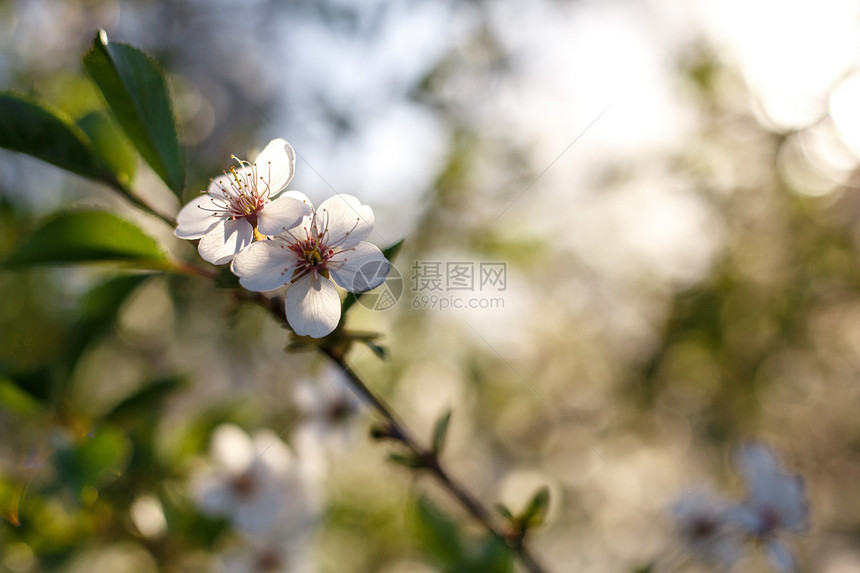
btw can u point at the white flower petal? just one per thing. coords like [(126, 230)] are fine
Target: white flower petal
[(313, 306), (273, 452), (264, 265), (214, 496), (757, 464), (224, 240), (299, 196), (232, 448), (770, 490), (701, 519), (281, 214), (257, 511), (276, 165), (345, 219), (780, 556), (788, 498), (197, 218), (359, 269), (744, 518)]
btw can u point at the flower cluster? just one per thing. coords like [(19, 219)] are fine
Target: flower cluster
[(262, 490), (716, 530), (273, 238)]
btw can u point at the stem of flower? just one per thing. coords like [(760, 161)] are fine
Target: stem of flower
[(193, 270), (432, 463)]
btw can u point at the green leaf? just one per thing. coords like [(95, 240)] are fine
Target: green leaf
[(383, 432), (438, 534), (504, 511), (146, 400), (536, 510), (443, 540), (86, 237), (391, 251), (440, 432), (410, 461), (98, 312), (110, 144), (14, 399), (38, 384), (352, 298), (492, 556), (31, 127), (188, 524), (380, 351), (93, 462), (192, 437), (136, 91)]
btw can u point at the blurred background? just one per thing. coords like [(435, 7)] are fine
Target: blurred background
[(670, 188)]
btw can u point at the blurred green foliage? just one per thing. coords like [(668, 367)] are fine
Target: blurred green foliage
[(112, 382)]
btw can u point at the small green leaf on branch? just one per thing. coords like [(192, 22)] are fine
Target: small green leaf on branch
[(533, 515), (391, 251), (380, 351), (440, 432), (504, 511), (411, 461), (385, 432), (537, 509)]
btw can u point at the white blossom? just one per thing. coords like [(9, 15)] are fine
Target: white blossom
[(701, 520), (328, 407), (240, 205), (274, 552), (255, 483), (775, 504), (327, 244)]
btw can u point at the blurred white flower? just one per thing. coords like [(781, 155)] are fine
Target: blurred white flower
[(328, 244), (327, 430), (273, 553), (255, 483), (238, 206), (701, 520), (329, 407), (775, 504)]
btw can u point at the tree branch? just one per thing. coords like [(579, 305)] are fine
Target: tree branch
[(432, 463)]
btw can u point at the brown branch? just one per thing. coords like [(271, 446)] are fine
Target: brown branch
[(431, 462), (396, 430)]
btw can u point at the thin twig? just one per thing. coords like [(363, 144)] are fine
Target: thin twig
[(192, 270), (149, 209), (397, 430), (432, 462)]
